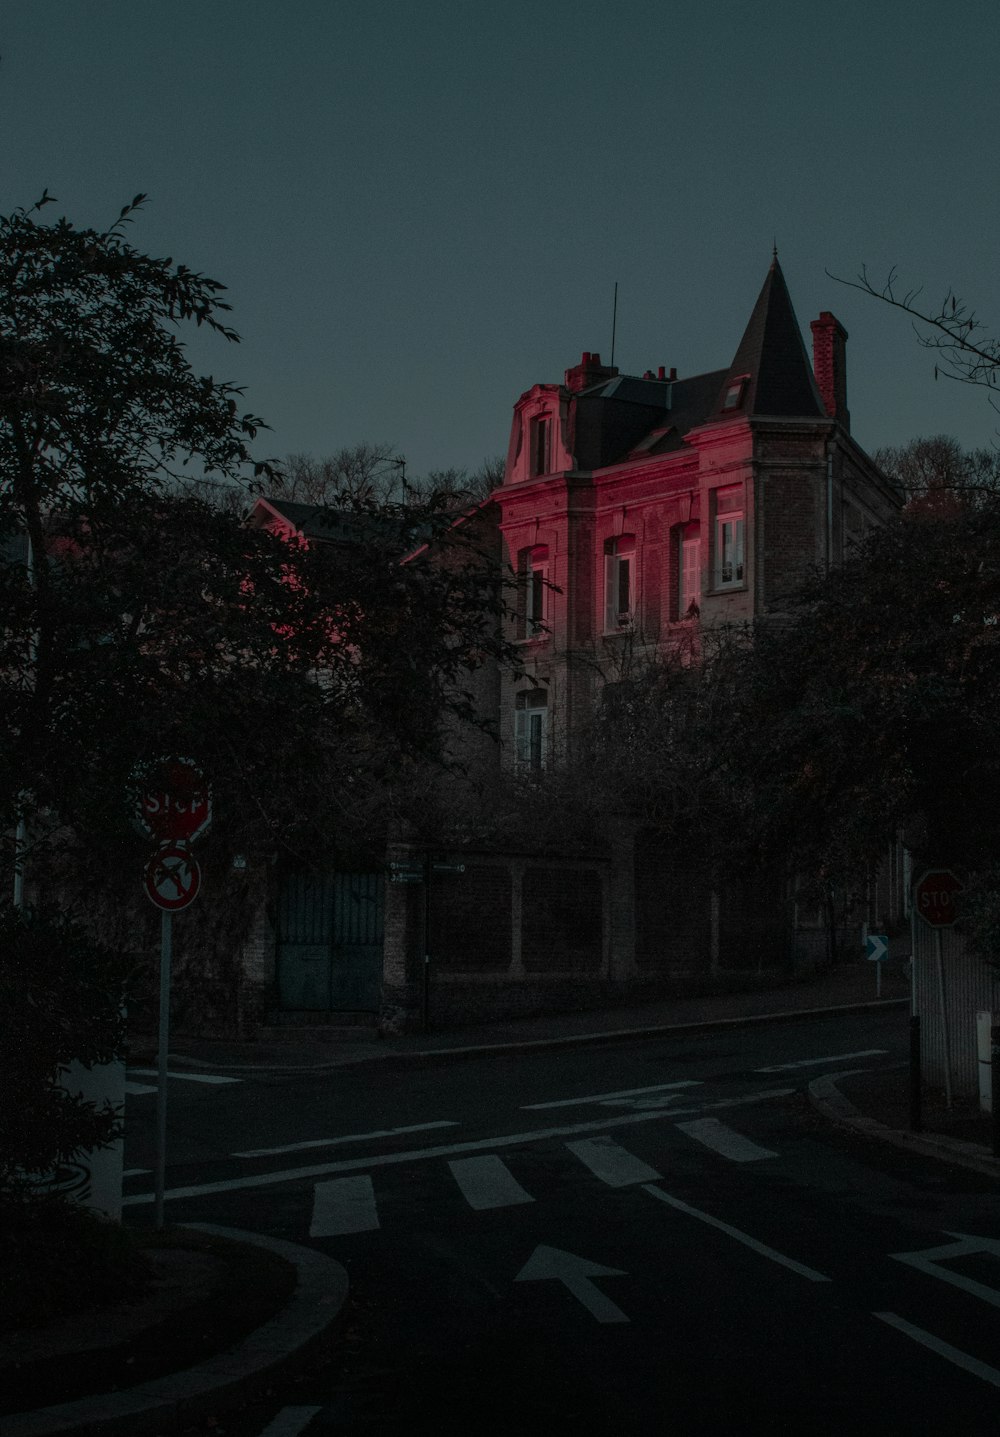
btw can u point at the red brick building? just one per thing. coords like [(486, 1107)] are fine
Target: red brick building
[(638, 508)]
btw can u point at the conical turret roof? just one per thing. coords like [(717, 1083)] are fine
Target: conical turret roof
[(771, 367)]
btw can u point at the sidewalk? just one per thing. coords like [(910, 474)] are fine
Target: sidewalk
[(873, 1103), (849, 986)]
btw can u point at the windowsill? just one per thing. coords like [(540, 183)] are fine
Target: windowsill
[(534, 638), (740, 588)]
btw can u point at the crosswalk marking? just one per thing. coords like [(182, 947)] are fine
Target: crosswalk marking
[(136, 1088), (612, 1164), (487, 1182), (185, 1077), (342, 1206), (720, 1139), (300, 1173)]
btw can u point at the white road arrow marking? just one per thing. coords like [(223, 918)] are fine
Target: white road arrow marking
[(966, 1246), (576, 1273)]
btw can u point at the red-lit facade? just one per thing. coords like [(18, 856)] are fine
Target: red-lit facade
[(639, 509)]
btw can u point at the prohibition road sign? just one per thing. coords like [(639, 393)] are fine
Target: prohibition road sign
[(172, 878)]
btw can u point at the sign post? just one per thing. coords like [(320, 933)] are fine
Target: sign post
[(174, 807), (877, 952), (934, 899)]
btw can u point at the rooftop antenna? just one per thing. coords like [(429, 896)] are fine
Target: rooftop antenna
[(614, 321)]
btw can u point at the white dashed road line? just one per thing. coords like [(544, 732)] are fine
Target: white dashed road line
[(605, 1097), (349, 1138), (818, 1062), (505, 1140), (185, 1077)]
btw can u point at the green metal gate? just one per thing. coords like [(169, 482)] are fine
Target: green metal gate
[(330, 942)]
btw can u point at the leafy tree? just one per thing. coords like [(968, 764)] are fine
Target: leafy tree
[(60, 1000), (877, 701), (135, 618), (937, 471), (374, 473)]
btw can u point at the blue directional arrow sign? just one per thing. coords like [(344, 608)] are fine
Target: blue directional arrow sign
[(877, 947)]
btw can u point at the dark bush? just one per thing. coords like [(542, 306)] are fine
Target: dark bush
[(61, 1000)]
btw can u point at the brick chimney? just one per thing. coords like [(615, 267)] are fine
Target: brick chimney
[(589, 371), (830, 365)]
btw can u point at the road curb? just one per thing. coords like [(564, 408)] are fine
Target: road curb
[(538, 1045), (314, 1307), (827, 1099)]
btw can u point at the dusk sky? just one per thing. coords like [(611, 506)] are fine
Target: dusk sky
[(422, 209)]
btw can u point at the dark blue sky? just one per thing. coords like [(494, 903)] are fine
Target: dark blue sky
[(420, 209)]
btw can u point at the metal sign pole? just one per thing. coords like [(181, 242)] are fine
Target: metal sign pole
[(944, 1017), (425, 991), (916, 1117), (160, 1162)]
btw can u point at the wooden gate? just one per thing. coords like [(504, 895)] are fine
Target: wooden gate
[(330, 942)]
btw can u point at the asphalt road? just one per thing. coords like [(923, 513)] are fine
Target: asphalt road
[(653, 1237)]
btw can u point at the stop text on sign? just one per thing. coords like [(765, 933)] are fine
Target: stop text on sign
[(934, 896), (173, 801)]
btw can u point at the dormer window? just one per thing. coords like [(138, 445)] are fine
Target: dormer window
[(541, 444), (735, 390)]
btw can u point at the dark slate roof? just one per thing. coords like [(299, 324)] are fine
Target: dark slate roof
[(771, 353)]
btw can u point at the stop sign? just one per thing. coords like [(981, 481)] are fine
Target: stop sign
[(935, 896), (173, 800)]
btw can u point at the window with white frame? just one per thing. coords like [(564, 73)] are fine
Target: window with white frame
[(689, 571), (533, 567), (729, 537), (531, 710), (619, 583), (541, 444)]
